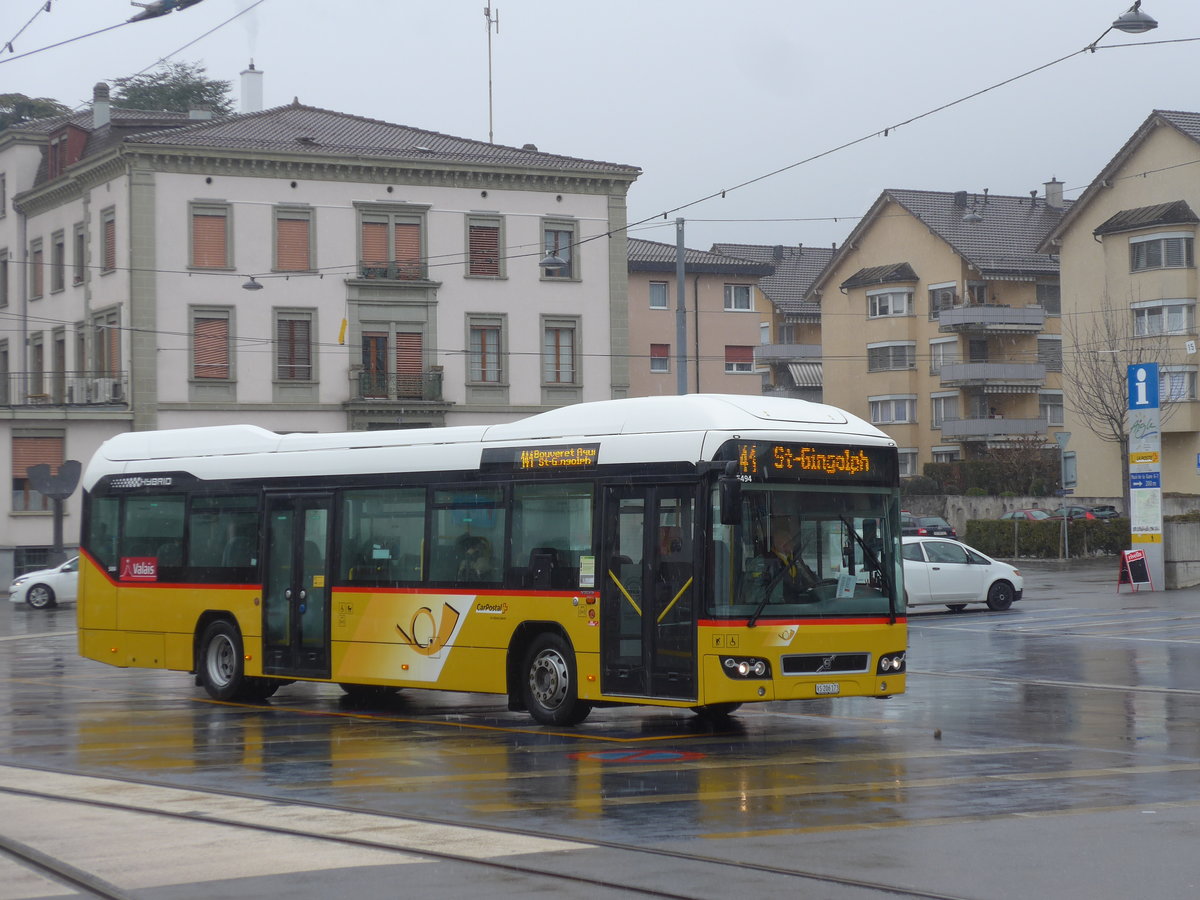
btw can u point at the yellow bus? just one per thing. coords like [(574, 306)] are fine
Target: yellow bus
[(696, 552)]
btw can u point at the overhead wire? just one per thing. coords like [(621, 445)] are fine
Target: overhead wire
[(43, 6)]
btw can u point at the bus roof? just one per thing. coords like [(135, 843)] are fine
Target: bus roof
[(688, 427)]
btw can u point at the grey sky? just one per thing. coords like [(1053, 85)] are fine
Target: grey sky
[(702, 95)]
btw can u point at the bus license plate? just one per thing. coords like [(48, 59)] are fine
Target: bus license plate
[(828, 687)]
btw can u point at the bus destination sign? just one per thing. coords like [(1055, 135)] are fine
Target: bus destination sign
[(556, 457), (775, 460)]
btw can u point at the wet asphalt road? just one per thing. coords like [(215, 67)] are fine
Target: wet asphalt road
[(1052, 750)]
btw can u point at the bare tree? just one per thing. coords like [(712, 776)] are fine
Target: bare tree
[(1103, 345)]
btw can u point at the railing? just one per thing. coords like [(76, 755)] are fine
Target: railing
[(383, 386), (782, 353), (394, 271), (1024, 374), (64, 389), (994, 427), (1001, 318)]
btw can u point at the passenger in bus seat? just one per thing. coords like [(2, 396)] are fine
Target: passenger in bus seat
[(474, 558)]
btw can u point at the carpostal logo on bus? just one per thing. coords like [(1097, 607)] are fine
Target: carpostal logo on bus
[(137, 481), (139, 568), (491, 609)]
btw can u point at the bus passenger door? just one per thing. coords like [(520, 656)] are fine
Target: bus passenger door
[(296, 585), (649, 595)]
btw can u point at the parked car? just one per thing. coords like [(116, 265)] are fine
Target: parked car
[(1030, 515), (47, 587), (908, 522), (934, 526), (1106, 512), (1072, 512), (940, 571)]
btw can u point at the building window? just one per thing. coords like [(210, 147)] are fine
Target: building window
[(79, 243), (1049, 297), (942, 352), (485, 352), (293, 239), (942, 296), (1176, 383), (559, 240), (1154, 317), (889, 303), (977, 293), (484, 243), (908, 463), (1049, 353), (106, 343), (738, 298), (1161, 251), (108, 240), (660, 297), (887, 357), (1050, 407), (943, 407), (391, 243), (945, 454), (210, 239), (660, 357), (893, 410), (738, 358), (293, 346), (27, 451), (558, 351), (3, 278), (58, 261), (36, 273), (212, 354)]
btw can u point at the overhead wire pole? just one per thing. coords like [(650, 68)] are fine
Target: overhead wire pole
[(681, 313), (487, 13)]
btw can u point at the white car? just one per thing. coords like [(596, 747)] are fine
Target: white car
[(47, 587), (942, 571)]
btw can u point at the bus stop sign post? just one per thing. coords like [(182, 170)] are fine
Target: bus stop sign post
[(1145, 468), (58, 487)]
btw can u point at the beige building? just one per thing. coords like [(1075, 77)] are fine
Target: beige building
[(725, 311), (940, 323), (1129, 283)]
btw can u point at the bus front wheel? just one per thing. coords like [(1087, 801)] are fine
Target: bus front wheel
[(550, 686), (221, 661)]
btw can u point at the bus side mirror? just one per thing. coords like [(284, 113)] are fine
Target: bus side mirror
[(729, 491)]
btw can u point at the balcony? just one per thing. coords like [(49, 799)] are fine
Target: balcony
[(1016, 378), (393, 271), (995, 427), (768, 354), (1010, 319), (375, 386), (59, 389)]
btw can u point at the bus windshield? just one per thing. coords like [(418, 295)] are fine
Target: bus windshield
[(807, 551)]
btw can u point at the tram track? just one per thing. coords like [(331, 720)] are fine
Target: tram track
[(782, 877)]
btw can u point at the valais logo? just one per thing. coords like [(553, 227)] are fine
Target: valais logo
[(139, 568)]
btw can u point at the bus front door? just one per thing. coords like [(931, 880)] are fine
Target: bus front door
[(648, 597), (296, 585)]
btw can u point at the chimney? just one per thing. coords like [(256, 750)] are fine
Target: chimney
[(960, 199), (101, 108), (777, 253), (200, 111), (252, 89), (1054, 197)]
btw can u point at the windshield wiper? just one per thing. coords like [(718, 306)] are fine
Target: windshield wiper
[(873, 560), (776, 578)]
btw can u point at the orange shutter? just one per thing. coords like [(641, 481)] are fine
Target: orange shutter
[(37, 274), (408, 251), (410, 364), (34, 451), (295, 349), (291, 251), (110, 244), (211, 343), (374, 243), (114, 350), (208, 242), (484, 243), (736, 354)]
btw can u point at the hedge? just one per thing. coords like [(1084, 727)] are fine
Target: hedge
[(1015, 538)]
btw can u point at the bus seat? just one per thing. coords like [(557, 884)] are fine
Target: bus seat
[(542, 563)]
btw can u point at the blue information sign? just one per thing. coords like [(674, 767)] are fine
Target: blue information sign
[(1143, 386), (1145, 480)]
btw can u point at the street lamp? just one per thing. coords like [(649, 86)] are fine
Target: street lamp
[(1132, 21)]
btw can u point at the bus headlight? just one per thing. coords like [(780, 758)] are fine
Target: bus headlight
[(890, 662), (745, 667)]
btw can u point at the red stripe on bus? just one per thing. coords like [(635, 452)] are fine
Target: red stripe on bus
[(768, 623)]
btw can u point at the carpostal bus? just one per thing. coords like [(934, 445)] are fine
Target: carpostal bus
[(621, 551)]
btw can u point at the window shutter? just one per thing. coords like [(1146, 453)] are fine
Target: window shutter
[(408, 250), (484, 250), (410, 364), (374, 249), (110, 244), (295, 349), (738, 354), (35, 451), (291, 251), (37, 273), (208, 241), (114, 350), (211, 348)]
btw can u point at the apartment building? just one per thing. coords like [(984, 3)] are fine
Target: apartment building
[(724, 312), (298, 268), (1129, 281), (940, 322)]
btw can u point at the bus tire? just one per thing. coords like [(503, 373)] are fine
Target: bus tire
[(549, 684), (221, 663)]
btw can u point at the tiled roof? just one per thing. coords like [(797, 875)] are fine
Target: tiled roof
[(321, 132), (1003, 242), (654, 256), (1176, 213), (795, 270), (889, 274), (126, 118)]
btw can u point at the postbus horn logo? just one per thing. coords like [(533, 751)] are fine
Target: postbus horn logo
[(425, 634)]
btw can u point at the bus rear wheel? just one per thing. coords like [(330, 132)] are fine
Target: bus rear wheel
[(222, 669), (550, 685)]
